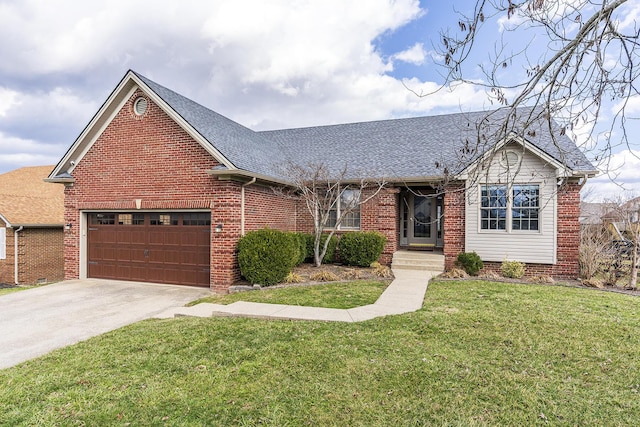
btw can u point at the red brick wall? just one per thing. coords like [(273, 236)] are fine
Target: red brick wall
[(453, 225), (149, 158), (6, 265), (568, 240), (264, 208), (40, 256)]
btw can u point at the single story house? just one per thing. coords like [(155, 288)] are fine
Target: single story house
[(31, 227), (159, 188)]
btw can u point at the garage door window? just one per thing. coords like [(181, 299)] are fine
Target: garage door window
[(196, 219), (103, 218), (163, 219), (131, 219)]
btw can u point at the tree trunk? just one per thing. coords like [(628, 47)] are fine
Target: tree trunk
[(633, 275)]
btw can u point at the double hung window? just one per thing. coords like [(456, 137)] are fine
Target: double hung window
[(510, 207), (347, 206)]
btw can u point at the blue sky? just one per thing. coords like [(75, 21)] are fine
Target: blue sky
[(276, 64)]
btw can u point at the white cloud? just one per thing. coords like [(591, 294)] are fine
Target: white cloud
[(414, 55), (621, 174), (8, 98)]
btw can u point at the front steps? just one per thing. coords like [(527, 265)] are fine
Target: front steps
[(418, 260)]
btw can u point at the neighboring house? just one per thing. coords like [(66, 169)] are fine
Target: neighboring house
[(31, 227), (159, 188), (623, 219), (593, 213)]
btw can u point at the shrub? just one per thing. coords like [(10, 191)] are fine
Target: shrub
[(293, 278), (512, 269), (381, 271), (331, 249), (324, 276), (454, 273), (267, 256), (301, 240), (361, 248), (470, 262)]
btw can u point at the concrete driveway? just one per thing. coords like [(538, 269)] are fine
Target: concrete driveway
[(36, 321)]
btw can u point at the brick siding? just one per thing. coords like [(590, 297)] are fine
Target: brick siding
[(152, 159), (40, 256)]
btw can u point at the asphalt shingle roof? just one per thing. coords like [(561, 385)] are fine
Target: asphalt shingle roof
[(397, 148), (25, 199)]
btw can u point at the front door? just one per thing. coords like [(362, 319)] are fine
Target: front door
[(420, 220)]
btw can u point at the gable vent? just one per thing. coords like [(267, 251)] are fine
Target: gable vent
[(510, 159), (140, 106)]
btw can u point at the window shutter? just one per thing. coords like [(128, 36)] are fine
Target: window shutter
[(3, 243)]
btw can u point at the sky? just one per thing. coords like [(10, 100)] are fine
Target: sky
[(265, 64)]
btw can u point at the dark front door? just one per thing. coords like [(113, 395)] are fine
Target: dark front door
[(420, 225), (172, 247)]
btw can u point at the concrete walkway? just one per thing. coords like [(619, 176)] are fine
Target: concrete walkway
[(404, 295)]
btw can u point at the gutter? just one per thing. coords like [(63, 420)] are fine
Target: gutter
[(246, 184), (15, 254)]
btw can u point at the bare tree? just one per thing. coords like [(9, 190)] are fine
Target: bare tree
[(331, 198), (624, 223), (578, 59)]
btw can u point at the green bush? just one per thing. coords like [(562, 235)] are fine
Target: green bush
[(331, 249), (470, 262), (301, 240), (361, 248), (267, 256), (512, 269)]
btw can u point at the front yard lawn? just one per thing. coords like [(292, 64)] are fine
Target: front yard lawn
[(331, 295), (478, 353)]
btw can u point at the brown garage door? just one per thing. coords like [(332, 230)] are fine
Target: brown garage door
[(150, 247)]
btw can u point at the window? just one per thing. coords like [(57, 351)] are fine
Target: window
[(512, 209), (196, 219), (526, 203), (163, 219), (493, 207), (349, 201), (103, 218)]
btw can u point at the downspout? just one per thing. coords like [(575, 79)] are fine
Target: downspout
[(246, 184), (15, 254)]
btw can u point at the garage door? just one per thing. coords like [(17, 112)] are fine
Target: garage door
[(172, 247)]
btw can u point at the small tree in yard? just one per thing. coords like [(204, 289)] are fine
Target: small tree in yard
[(595, 247), (625, 223), (330, 198)]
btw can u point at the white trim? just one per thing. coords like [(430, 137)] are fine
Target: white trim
[(105, 115), (561, 170), (3, 243), (509, 209), (5, 220)]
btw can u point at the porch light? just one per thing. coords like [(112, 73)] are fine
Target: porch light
[(68, 226), (218, 228)]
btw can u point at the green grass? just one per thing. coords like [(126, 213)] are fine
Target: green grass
[(4, 291), (332, 295), (478, 353)]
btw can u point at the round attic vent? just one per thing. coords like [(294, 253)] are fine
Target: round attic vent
[(140, 106), (510, 159)]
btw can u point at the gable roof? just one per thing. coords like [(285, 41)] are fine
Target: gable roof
[(399, 149), (25, 199)]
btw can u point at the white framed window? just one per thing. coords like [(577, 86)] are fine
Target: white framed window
[(348, 202), (3, 243), (510, 208)]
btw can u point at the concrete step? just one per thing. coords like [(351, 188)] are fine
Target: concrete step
[(415, 260)]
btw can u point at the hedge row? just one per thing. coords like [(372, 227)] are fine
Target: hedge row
[(268, 256)]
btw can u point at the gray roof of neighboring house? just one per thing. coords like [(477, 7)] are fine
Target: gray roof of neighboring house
[(397, 148)]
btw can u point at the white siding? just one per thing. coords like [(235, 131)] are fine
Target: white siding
[(3, 243), (525, 246)]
